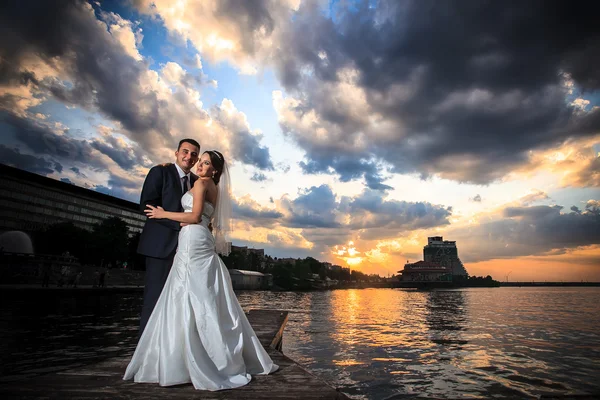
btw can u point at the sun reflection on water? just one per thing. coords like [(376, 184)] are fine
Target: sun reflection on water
[(371, 343)]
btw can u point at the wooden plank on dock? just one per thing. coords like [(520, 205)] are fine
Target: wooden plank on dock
[(104, 379)]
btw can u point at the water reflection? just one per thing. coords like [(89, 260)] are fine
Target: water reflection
[(372, 343), (521, 340), (46, 331), (446, 317)]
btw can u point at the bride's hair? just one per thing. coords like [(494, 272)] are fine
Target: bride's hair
[(217, 160)]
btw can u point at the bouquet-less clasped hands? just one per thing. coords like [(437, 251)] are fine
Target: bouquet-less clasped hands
[(159, 212)]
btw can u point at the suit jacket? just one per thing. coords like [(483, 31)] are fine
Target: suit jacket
[(162, 187)]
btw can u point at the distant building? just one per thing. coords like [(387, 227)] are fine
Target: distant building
[(259, 252), (30, 202), (246, 250), (445, 253), (440, 263), (286, 260), (424, 271), (241, 249), (250, 280), (336, 268)]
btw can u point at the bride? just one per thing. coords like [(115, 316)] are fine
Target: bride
[(198, 332)]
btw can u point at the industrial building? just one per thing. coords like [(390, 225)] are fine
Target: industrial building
[(250, 280), (29, 202)]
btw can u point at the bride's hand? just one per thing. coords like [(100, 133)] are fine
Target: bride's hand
[(154, 212)]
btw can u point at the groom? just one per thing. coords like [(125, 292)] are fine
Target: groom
[(164, 186)]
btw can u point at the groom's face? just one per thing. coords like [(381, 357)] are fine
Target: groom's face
[(187, 156)]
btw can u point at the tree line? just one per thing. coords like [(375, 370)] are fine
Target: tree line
[(108, 243), (300, 274)]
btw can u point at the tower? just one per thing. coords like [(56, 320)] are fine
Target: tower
[(445, 253)]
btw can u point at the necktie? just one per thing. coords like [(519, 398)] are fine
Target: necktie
[(185, 184)]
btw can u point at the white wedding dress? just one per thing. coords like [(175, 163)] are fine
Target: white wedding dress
[(198, 331)]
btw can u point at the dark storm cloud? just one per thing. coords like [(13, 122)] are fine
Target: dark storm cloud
[(253, 212), (323, 217), (314, 207), (15, 158), (471, 86), (258, 177), (248, 16), (319, 212), (348, 168), (534, 230), (246, 148), (548, 225), (126, 156), (77, 172), (101, 73), (41, 140), (66, 180), (379, 218), (48, 145)]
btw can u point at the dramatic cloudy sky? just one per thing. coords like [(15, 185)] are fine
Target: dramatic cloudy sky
[(355, 129)]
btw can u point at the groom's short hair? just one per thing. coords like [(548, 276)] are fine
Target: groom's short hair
[(190, 141)]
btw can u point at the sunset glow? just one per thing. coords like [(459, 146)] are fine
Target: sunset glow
[(348, 139)]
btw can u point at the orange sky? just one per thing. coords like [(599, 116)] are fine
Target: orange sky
[(349, 152)]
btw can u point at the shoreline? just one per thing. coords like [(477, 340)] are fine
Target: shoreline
[(133, 288)]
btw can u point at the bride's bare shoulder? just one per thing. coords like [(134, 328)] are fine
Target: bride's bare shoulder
[(202, 183)]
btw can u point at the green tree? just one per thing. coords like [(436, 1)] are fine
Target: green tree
[(236, 260), (283, 276), (322, 272), (135, 260), (358, 276), (302, 269), (314, 265), (61, 237), (110, 241), (253, 261)]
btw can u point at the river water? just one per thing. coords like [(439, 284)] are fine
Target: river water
[(371, 343)]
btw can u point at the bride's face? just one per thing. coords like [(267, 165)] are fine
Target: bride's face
[(204, 168)]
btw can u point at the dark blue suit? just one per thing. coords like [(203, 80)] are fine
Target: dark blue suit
[(158, 240)]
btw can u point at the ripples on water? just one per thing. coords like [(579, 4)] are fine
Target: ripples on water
[(46, 331), (372, 343)]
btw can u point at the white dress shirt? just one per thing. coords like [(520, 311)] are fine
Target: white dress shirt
[(181, 175)]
